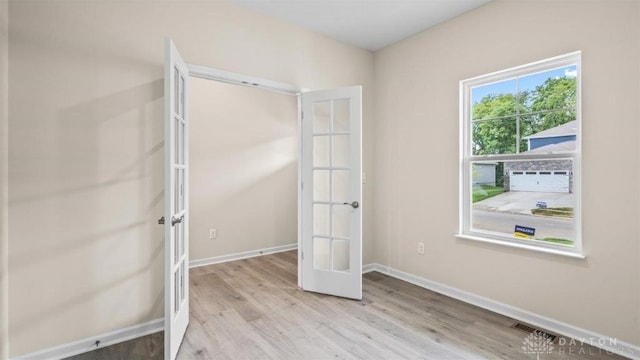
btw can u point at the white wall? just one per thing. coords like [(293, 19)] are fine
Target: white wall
[(4, 196), (244, 168), (86, 145), (417, 131)]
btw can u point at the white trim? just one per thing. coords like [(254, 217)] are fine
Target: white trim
[(367, 268), (300, 189), (555, 326), (229, 77), (241, 255), (88, 344), (530, 68), (515, 244), (466, 158)]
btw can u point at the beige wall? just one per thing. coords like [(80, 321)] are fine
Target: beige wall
[(416, 189), (244, 168), (4, 143), (86, 144)]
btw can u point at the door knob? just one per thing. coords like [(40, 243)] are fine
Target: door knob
[(354, 204), (175, 220)]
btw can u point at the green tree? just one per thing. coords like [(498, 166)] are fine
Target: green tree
[(495, 117), (494, 123), (556, 98)]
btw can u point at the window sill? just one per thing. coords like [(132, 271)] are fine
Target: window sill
[(522, 246)]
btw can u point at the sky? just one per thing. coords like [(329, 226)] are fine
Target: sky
[(528, 82)]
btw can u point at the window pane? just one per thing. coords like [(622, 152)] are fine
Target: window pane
[(490, 137), (321, 154), (321, 219), (530, 196), (341, 221), (341, 110), (177, 239), (176, 294), (321, 117), (321, 185), (341, 150), (321, 253), (538, 138), (494, 100), (551, 90), (341, 181), (340, 255)]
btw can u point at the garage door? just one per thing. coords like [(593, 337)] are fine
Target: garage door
[(539, 181)]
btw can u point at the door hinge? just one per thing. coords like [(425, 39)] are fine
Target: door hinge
[(302, 185), (302, 253)]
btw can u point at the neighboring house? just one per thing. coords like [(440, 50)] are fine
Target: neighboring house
[(484, 174), (563, 137), (544, 176)]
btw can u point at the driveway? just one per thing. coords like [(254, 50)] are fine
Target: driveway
[(521, 202)]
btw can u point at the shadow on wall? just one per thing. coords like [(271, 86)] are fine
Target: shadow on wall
[(78, 135), (55, 309), (94, 186)]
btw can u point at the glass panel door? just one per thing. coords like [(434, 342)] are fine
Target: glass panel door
[(176, 209), (331, 221)]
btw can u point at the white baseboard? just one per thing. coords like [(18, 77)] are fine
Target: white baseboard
[(88, 344), (558, 327), (369, 268), (85, 345), (241, 255)]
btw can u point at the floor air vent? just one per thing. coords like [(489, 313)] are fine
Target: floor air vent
[(529, 329)]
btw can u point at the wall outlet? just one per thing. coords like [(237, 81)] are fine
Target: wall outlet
[(213, 234), (421, 248)]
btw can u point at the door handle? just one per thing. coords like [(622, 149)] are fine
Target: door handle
[(354, 204), (175, 220)]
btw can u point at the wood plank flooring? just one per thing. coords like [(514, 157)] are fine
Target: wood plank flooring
[(253, 309)]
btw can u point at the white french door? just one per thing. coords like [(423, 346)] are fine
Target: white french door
[(331, 193), (176, 201)]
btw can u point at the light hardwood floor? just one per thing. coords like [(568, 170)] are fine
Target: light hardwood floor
[(253, 309)]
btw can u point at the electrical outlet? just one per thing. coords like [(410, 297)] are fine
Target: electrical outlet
[(213, 234), (421, 248)]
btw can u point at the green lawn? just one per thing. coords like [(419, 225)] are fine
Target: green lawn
[(481, 192), (555, 211), (558, 241)]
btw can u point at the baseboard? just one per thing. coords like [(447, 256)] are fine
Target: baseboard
[(88, 344), (241, 255), (369, 268), (610, 344)]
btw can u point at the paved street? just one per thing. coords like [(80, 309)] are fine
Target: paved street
[(505, 223), (521, 202), (503, 212)]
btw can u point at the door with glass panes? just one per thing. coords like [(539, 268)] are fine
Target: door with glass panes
[(332, 192), (176, 201)]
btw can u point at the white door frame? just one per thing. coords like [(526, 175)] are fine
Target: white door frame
[(208, 73), (204, 72)]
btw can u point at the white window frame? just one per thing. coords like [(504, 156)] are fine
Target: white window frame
[(465, 230)]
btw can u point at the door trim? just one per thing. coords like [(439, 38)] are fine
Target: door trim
[(209, 73), (229, 77)]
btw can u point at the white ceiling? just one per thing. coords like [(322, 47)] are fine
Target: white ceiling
[(369, 24)]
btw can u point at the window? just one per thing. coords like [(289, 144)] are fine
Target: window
[(520, 156)]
